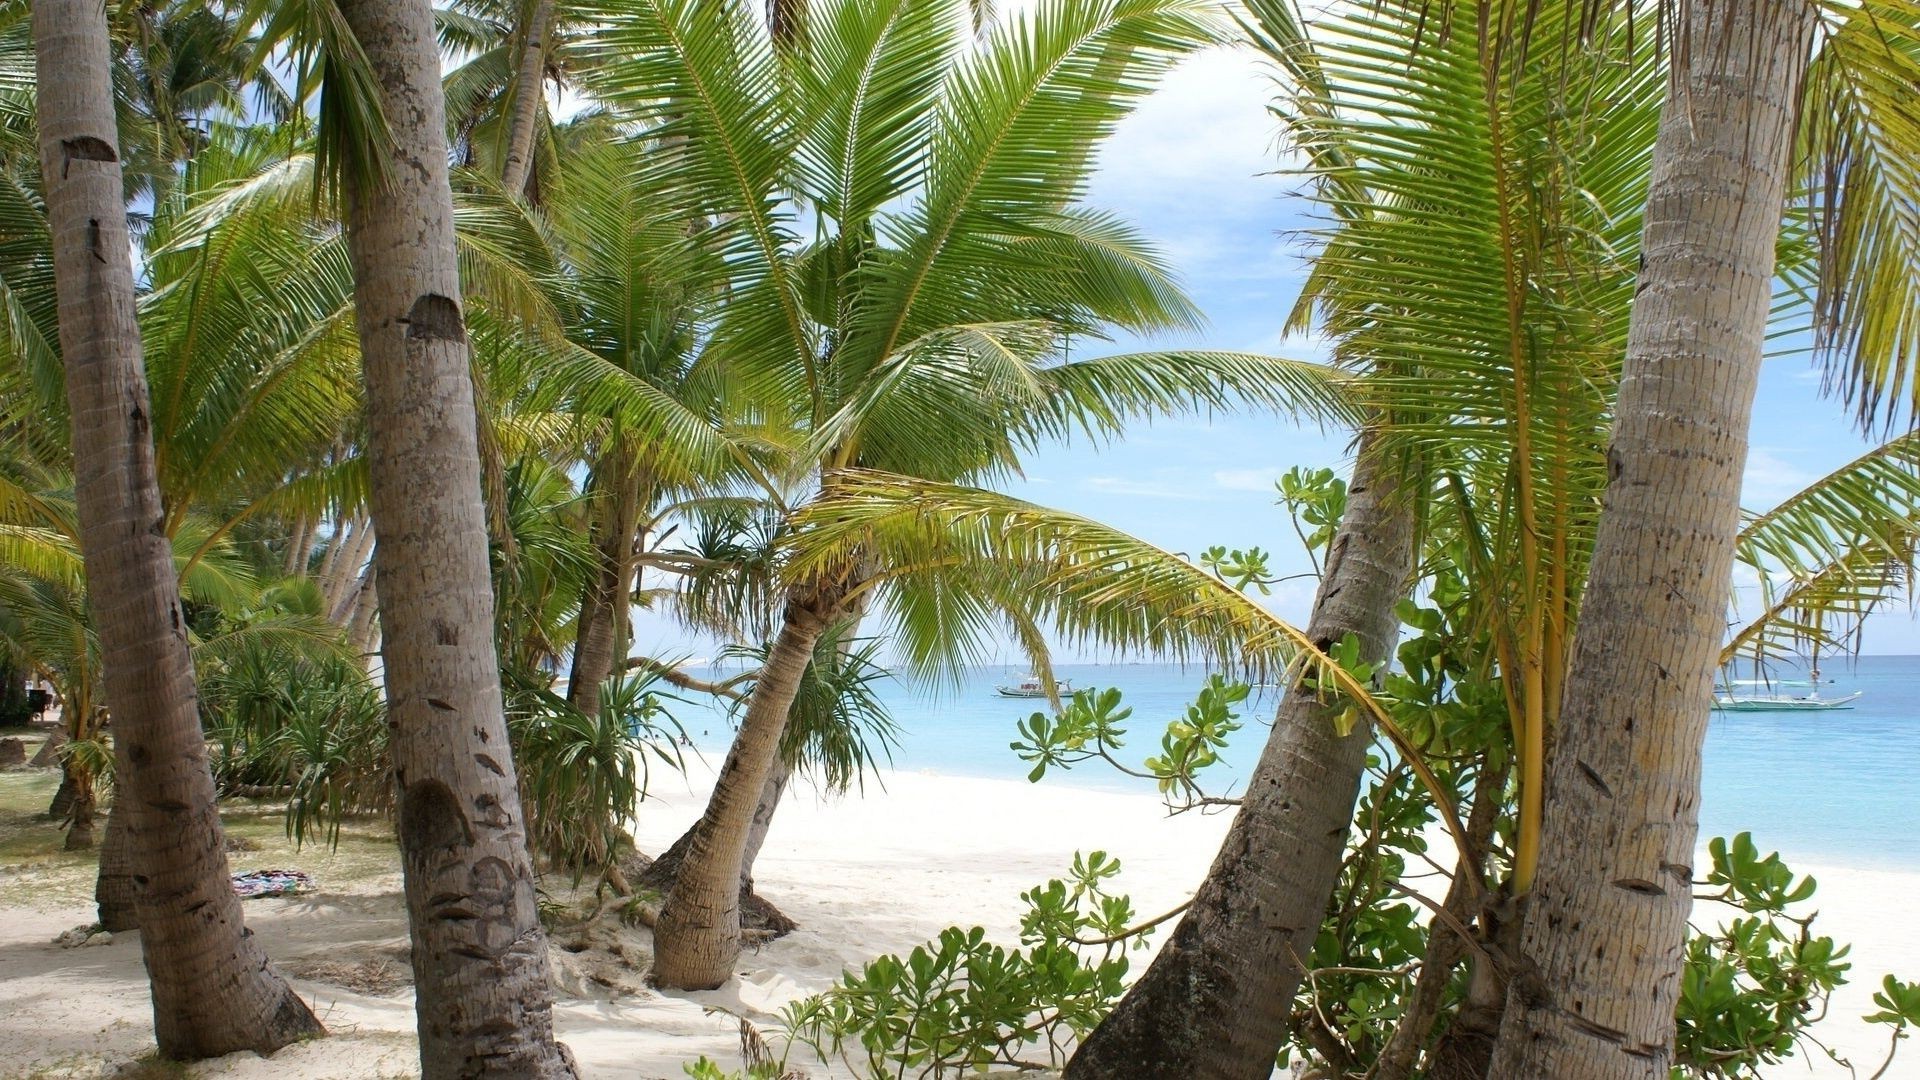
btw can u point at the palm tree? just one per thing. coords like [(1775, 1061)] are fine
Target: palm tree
[(213, 990), (479, 952), (1219, 994), (1478, 301), (923, 341), (1601, 936), (529, 94)]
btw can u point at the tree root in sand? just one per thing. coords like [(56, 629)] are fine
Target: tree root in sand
[(760, 921)]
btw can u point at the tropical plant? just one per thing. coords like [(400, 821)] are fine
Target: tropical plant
[(1772, 99), (190, 919), (962, 1004), (584, 776), (920, 331), (479, 952)]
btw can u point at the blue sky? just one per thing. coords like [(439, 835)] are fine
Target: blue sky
[(1193, 169)]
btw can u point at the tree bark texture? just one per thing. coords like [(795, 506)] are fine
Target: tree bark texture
[(113, 888), (1214, 1003), (697, 937), (213, 990), (1601, 941), (601, 640), (363, 628), (484, 1005), (528, 89)]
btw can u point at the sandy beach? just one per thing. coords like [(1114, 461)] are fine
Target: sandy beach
[(862, 875)]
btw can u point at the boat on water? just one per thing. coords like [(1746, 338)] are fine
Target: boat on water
[(1031, 687), (1781, 703)]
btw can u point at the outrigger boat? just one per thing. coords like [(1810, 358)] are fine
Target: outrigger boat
[(1032, 687), (1781, 703)]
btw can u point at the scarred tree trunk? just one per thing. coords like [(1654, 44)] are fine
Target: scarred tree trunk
[(1214, 1003), (484, 1005), (213, 990), (697, 937), (529, 88), (113, 889), (1601, 937)]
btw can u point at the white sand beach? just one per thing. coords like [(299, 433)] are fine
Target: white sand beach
[(862, 875)]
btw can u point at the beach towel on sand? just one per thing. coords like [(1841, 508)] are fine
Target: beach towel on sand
[(258, 883)]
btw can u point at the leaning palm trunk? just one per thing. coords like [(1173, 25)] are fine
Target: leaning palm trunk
[(479, 954), (697, 937), (1601, 939), (1214, 1003), (213, 991), (601, 641), (529, 88)]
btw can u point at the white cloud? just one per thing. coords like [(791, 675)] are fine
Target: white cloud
[(1247, 479), (1770, 478), (1146, 489)]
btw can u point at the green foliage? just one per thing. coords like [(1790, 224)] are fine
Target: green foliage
[(961, 1003), (1752, 989), (582, 776), (1315, 498), (1088, 727), (313, 725), (838, 728)]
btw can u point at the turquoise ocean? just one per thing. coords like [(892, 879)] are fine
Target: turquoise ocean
[(1838, 788)]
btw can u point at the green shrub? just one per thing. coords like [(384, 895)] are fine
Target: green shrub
[(963, 1003)]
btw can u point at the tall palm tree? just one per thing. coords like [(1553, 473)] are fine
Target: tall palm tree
[(1603, 927), (214, 992), (1217, 999), (924, 341), (479, 952), (1455, 292), (529, 95)]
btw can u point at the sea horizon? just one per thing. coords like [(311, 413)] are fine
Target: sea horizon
[(1824, 789)]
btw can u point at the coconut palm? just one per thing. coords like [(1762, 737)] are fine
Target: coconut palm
[(214, 992), (479, 953), (920, 331), (1748, 123)]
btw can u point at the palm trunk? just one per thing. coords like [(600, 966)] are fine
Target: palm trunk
[(364, 627), (484, 1005), (1602, 933), (601, 640), (529, 88), (770, 794), (213, 990), (697, 937), (1215, 1001), (298, 544), (113, 889), (341, 574)]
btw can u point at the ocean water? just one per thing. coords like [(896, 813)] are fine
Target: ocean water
[(1830, 788)]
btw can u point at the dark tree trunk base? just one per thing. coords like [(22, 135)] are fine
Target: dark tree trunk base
[(757, 916)]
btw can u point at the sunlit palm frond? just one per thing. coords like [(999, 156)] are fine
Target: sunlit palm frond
[(1013, 146), (1869, 504), (1859, 156)]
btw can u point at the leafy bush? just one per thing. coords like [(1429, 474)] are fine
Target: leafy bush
[(312, 725), (962, 1003), (582, 776), (1752, 989)]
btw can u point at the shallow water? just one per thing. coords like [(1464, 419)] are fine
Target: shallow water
[(1833, 788)]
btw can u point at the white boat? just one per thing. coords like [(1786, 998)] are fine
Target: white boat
[(1032, 687), (1781, 703)]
